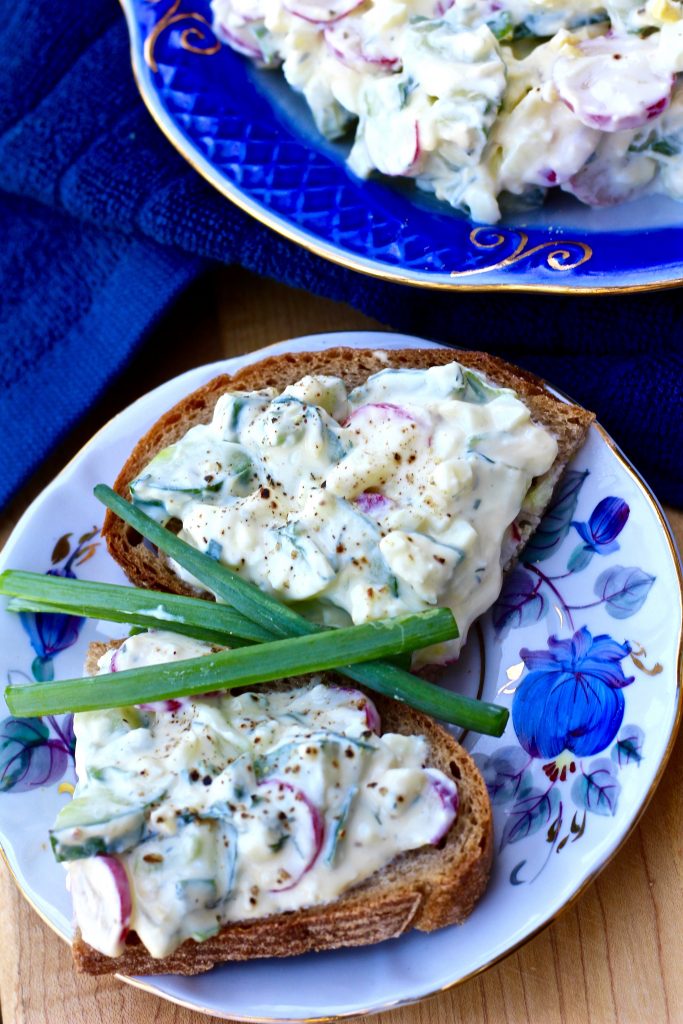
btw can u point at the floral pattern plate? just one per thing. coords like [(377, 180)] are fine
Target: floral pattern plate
[(584, 646)]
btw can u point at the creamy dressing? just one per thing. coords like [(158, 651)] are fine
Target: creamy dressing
[(227, 808), (393, 498), (478, 98)]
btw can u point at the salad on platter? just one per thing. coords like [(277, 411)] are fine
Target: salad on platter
[(485, 102)]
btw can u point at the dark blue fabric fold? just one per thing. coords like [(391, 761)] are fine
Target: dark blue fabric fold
[(103, 224)]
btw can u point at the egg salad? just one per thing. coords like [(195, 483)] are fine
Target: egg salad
[(481, 99), (392, 498), (193, 813)]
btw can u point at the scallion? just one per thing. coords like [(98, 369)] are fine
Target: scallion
[(245, 666), (478, 716), (152, 609)]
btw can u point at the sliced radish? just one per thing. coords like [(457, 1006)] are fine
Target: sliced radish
[(373, 504), (174, 704), (381, 411), (320, 13), (372, 718), (600, 183), (393, 143), (303, 821), (102, 903), (344, 39), (240, 39), (613, 85), (447, 793)]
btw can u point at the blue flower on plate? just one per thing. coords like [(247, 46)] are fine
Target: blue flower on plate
[(606, 522), (571, 699), (51, 632)]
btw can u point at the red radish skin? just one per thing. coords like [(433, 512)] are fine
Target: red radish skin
[(392, 412), (242, 46), (372, 717), (373, 504), (317, 826), (405, 151), (164, 705), (595, 84), (116, 877), (598, 184), (121, 879), (319, 13), (345, 42), (447, 792)]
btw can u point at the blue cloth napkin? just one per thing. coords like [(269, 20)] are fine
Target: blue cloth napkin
[(103, 224)]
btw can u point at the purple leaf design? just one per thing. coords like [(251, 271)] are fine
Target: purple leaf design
[(520, 603), (558, 518), (505, 773), (532, 811), (598, 789), (28, 757), (623, 590)]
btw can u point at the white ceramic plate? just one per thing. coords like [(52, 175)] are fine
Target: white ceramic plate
[(605, 567)]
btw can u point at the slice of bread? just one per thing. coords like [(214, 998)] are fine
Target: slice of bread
[(427, 888), (144, 567)]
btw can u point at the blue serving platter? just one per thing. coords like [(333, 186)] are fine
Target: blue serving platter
[(248, 134)]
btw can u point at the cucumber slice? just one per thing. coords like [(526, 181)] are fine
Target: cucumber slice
[(90, 826), (301, 569), (179, 878), (233, 411), (199, 467), (198, 892)]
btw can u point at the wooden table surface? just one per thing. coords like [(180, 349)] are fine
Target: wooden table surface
[(615, 956)]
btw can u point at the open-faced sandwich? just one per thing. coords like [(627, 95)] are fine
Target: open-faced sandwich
[(355, 484), (346, 508), (296, 817)]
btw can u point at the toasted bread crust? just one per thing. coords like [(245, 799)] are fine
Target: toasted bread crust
[(569, 423), (426, 889)]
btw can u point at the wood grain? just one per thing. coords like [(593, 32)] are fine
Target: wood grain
[(614, 956)]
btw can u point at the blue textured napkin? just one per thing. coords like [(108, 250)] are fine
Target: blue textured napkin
[(103, 224)]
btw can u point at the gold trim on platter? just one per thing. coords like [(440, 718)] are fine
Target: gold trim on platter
[(570, 902), (172, 17), (559, 255)]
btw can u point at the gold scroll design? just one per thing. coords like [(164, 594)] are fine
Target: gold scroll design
[(637, 653), (559, 255), (196, 38)]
